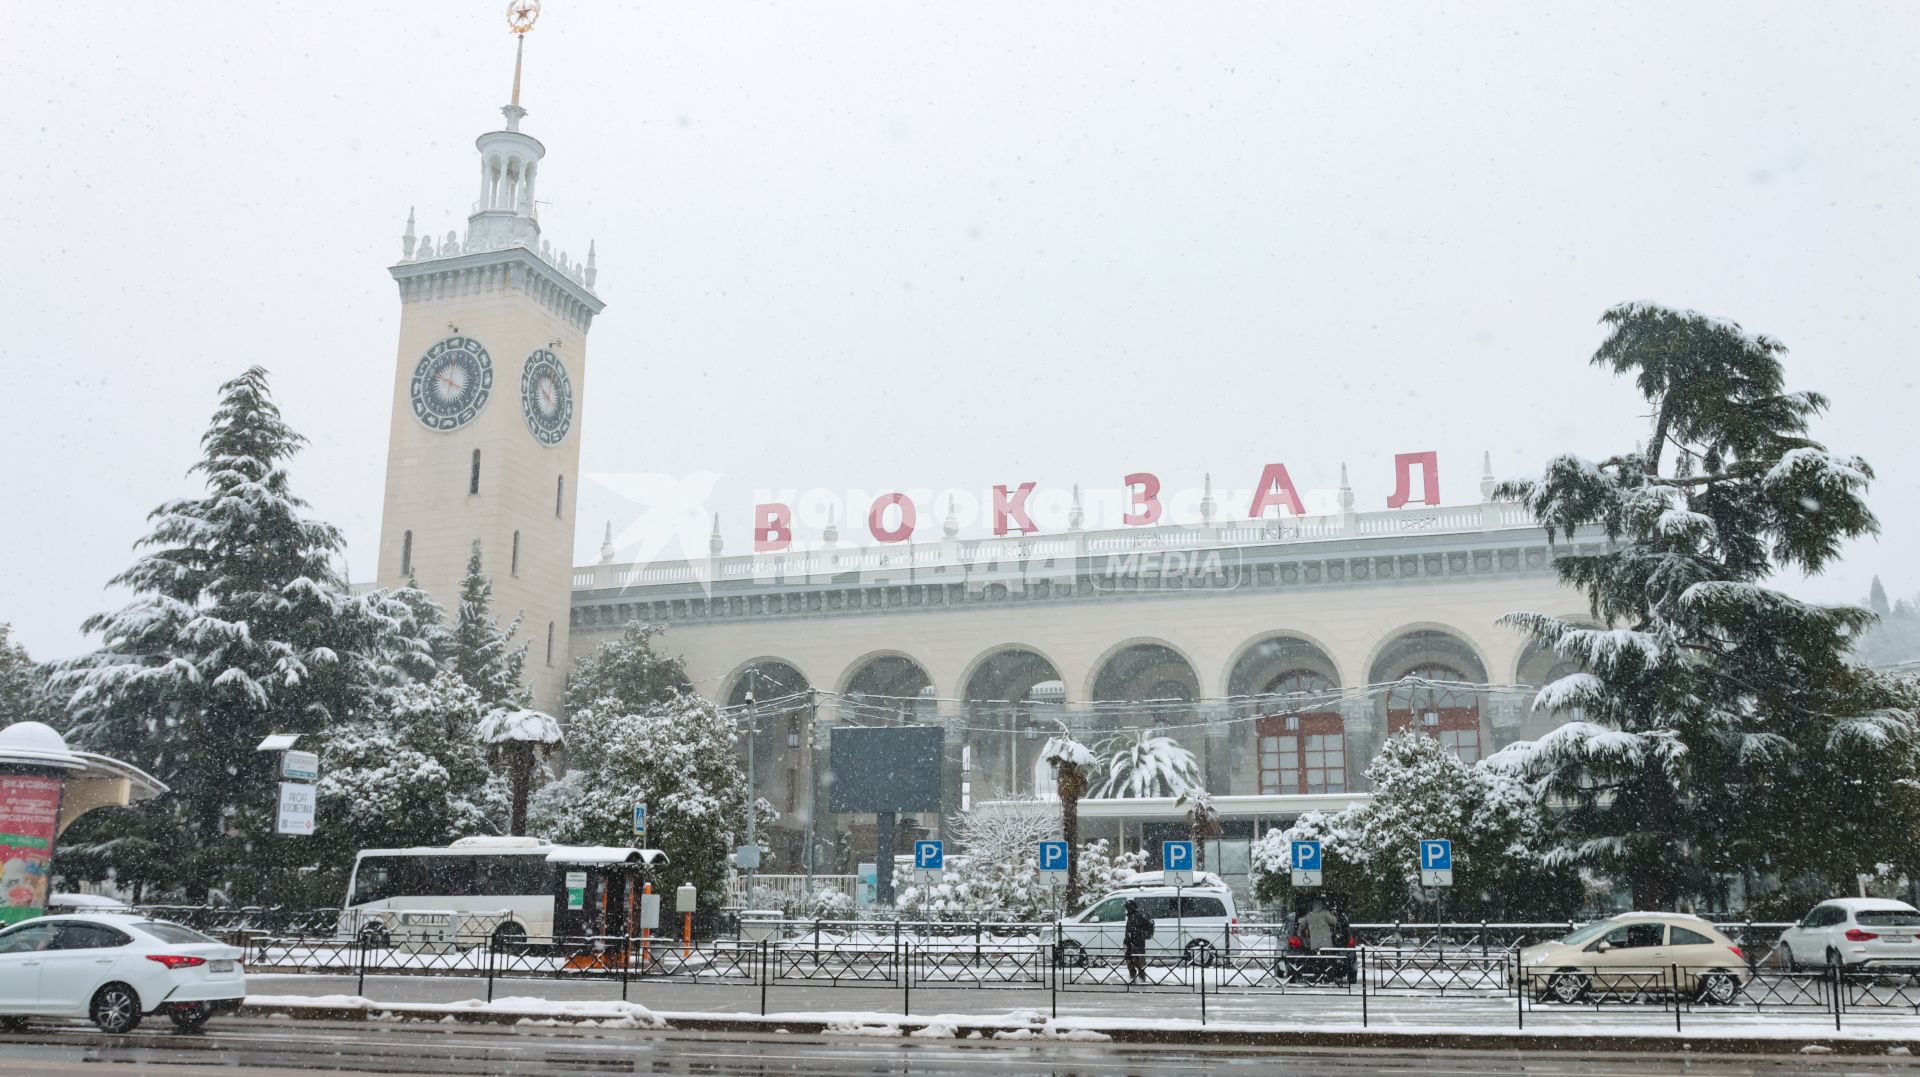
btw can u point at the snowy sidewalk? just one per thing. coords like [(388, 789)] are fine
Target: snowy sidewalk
[(1293, 1019)]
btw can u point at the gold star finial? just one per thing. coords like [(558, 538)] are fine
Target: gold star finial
[(521, 15)]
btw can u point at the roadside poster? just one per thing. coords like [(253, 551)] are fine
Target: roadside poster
[(29, 820)]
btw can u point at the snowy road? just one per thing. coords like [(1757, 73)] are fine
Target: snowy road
[(243, 1048)]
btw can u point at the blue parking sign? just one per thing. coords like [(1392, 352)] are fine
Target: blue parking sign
[(1177, 855), (1306, 855), (1436, 854), (1053, 856), (640, 819), (929, 855)]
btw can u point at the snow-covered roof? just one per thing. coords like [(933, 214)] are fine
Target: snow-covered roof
[(500, 841), (37, 744), (1202, 880), (605, 854), (92, 902), (1878, 904)]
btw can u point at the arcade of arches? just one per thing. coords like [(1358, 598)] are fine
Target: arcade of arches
[(1292, 723)]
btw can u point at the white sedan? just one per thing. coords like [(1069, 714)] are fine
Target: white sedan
[(115, 969)]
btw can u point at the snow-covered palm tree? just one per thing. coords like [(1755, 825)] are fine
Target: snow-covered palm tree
[(1073, 765), (520, 736), (1146, 765)]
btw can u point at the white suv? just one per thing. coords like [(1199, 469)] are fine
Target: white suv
[(1192, 921), (1853, 933)]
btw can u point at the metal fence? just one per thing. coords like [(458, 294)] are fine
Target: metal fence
[(1479, 979)]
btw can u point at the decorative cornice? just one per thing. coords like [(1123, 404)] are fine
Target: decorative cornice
[(480, 272), (1101, 578)]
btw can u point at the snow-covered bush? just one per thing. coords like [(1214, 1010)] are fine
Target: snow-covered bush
[(994, 874), (680, 759), (1421, 789), (414, 775)]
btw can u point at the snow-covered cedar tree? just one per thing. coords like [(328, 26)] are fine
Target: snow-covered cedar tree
[(407, 641), (994, 872), (1144, 765), (482, 652), (630, 669), (1421, 789), (1722, 729), (1073, 766), (416, 774), (23, 684), (519, 738), (238, 626), (678, 756)]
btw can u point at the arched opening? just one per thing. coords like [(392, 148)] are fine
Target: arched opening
[(1291, 690), (888, 688), (1145, 683), (1436, 688), (1539, 666), (1015, 699)]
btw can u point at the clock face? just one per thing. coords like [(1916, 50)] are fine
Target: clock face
[(546, 396), (451, 383)]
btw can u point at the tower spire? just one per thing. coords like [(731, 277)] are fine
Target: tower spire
[(520, 19)]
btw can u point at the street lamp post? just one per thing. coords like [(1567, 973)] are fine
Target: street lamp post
[(813, 786), (753, 790)]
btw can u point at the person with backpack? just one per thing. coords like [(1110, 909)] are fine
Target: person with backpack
[(1139, 930)]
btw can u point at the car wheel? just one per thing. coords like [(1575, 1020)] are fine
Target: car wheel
[(1790, 962), (1070, 954), (509, 936), (190, 1016), (1200, 952), (1567, 987), (1718, 988), (115, 1008), (1834, 965)]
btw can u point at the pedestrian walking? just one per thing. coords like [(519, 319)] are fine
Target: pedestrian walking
[(1139, 930)]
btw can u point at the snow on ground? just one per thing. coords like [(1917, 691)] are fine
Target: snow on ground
[(1034, 1024)]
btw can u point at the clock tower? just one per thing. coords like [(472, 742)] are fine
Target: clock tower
[(485, 437)]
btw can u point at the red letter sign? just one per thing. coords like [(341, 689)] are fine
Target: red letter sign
[(1015, 507), (772, 527), (1275, 489), (1403, 465), (1146, 500), (879, 511)]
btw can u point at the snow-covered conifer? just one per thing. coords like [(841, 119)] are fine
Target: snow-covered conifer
[(238, 626), (482, 653), (1722, 729)]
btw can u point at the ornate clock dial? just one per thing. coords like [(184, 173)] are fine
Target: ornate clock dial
[(546, 397), (451, 383)]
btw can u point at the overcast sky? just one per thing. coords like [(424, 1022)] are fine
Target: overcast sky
[(875, 246)]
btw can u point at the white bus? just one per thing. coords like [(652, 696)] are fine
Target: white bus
[(509, 889)]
